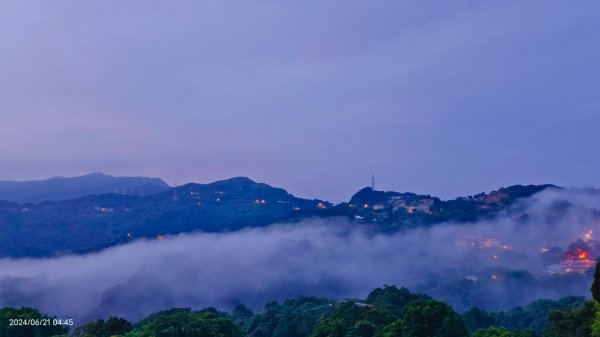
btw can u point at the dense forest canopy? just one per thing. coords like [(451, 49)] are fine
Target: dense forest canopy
[(386, 312)]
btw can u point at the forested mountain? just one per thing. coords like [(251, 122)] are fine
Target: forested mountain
[(94, 222), (99, 221), (61, 188), (393, 210)]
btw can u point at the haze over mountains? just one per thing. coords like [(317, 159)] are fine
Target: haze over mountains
[(62, 188), (494, 264), (133, 208), (239, 241)]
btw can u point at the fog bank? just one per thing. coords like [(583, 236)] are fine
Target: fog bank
[(319, 257)]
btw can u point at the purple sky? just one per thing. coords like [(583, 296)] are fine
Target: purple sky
[(451, 98)]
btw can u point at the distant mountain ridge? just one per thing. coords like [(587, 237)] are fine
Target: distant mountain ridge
[(94, 222), (62, 188)]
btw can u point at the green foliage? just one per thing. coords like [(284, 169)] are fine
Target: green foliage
[(428, 318), (492, 332), (476, 319), (295, 318), (502, 332), (524, 333), (596, 284), (392, 299), (572, 323), (352, 319), (242, 312), (392, 330), (535, 315), (526, 321), (187, 323), (387, 312), (410, 318), (28, 330), (114, 326), (596, 323)]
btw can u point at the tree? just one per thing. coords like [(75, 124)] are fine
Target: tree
[(524, 333), (596, 284), (596, 323), (572, 323), (295, 318), (114, 326), (392, 299), (533, 316), (352, 319), (476, 319), (91, 329), (492, 332), (429, 318), (242, 312), (393, 330), (187, 323), (502, 332)]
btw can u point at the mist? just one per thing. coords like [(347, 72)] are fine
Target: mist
[(318, 257)]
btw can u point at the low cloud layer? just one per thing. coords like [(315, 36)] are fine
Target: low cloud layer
[(318, 257)]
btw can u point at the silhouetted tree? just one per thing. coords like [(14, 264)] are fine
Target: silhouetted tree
[(596, 285), (476, 319)]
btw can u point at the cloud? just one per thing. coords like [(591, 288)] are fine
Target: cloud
[(330, 257)]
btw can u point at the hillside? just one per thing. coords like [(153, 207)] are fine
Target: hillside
[(98, 221), (393, 210), (61, 188), (95, 222)]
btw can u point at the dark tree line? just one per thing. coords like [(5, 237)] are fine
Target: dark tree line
[(386, 312)]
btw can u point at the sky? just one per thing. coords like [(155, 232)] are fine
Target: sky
[(446, 98)]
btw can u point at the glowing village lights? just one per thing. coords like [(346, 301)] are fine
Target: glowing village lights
[(577, 261)]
